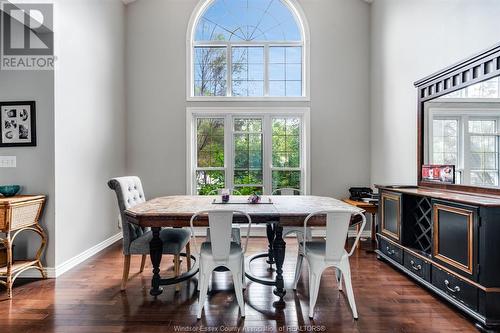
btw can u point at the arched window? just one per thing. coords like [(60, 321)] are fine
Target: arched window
[(247, 49)]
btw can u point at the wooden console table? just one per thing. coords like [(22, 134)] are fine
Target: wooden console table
[(18, 214)]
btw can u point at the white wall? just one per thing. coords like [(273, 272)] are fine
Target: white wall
[(410, 40), (89, 121), (156, 96), (35, 165)]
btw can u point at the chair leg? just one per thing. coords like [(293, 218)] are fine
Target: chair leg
[(198, 285), (358, 227), (126, 269), (177, 269), (204, 278), (298, 270), (314, 281), (243, 278), (346, 272), (143, 262), (338, 274), (9, 286), (238, 289), (188, 256)]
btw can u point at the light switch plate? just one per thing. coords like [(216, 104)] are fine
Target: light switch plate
[(7, 161)]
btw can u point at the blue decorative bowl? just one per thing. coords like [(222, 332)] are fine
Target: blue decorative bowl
[(9, 190)]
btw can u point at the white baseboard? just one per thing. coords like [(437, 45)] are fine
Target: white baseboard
[(54, 272)]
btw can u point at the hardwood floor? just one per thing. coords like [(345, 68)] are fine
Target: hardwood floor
[(88, 299)]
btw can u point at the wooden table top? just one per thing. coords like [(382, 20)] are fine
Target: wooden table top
[(177, 210), (360, 204), (7, 201)]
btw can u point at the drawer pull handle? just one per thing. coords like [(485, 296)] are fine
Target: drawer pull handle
[(417, 268), (456, 289), (391, 252)]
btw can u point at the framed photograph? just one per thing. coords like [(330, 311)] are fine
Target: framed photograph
[(17, 124), (439, 173)]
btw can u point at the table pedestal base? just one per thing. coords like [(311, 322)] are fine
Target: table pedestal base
[(275, 255), (156, 253)]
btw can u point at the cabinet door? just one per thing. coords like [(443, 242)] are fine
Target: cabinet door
[(390, 215), (454, 237)]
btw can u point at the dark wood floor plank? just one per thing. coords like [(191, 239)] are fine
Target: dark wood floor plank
[(88, 299)]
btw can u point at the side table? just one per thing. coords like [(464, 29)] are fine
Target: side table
[(17, 214), (369, 208)]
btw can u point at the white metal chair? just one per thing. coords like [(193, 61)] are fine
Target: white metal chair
[(298, 231), (221, 252), (235, 232), (329, 252)]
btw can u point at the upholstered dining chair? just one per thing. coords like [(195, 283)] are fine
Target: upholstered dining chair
[(129, 192), (221, 252), (329, 252)]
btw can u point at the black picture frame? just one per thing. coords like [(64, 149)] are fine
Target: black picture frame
[(31, 122)]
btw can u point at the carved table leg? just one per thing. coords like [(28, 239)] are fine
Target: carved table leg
[(270, 238), (279, 257), (156, 251)]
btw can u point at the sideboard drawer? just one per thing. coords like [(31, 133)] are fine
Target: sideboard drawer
[(417, 266), (391, 250), (455, 287)]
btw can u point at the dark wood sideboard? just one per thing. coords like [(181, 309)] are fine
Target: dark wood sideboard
[(447, 241)]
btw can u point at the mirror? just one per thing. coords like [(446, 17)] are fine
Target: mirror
[(462, 128)]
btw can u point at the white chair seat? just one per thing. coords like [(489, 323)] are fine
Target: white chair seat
[(299, 233), (235, 250), (317, 249)]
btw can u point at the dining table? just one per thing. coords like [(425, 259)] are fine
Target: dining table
[(273, 211)]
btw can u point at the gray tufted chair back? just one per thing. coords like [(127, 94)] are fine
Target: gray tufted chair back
[(129, 193)]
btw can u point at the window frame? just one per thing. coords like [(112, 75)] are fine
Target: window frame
[(303, 26), (463, 145), (229, 114)]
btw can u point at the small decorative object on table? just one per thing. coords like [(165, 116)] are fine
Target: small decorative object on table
[(225, 195), (254, 199), (9, 190)]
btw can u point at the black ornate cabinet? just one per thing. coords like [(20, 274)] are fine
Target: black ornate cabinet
[(447, 241)]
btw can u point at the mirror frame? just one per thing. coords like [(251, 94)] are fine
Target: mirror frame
[(477, 68)]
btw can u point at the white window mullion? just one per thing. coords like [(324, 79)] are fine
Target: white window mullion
[(303, 157), (497, 142), (229, 151), (465, 152), (266, 70), (267, 151), (229, 64)]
